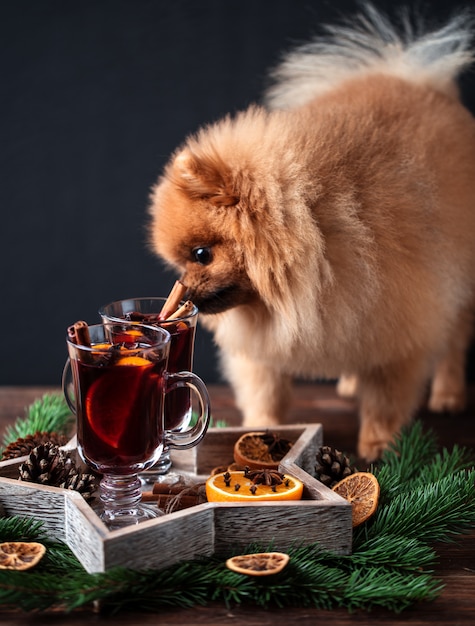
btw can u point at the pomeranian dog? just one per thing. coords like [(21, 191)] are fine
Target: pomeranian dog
[(332, 232)]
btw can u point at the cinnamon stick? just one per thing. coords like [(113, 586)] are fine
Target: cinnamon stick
[(185, 309), (171, 501), (72, 334), (149, 496), (169, 489), (172, 302), (78, 333)]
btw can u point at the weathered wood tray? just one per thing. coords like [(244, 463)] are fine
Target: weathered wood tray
[(210, 528)]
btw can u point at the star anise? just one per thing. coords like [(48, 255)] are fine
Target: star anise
[(278, 446), (266, 476)]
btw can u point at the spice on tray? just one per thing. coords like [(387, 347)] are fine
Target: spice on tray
[(48, 464), (260, 449), (20, 555), (258, 564), (240, 487), (24, 445), (176, 496), (362, 490)]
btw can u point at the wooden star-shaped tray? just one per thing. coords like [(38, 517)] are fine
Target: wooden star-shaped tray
[(211, 528)]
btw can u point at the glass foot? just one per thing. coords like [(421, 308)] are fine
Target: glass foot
[(121, 519), (161, 468)]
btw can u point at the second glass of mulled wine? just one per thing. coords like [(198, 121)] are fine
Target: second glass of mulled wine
[(178, 405)]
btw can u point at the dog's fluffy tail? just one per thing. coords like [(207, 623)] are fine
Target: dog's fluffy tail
[(372, 44)]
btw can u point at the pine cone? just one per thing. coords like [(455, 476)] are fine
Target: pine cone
[(332, 466), (48, 465), (85, 484), (24, 445)]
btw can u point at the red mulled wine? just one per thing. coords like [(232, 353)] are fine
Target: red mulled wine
[(119, 410), (177, 402)]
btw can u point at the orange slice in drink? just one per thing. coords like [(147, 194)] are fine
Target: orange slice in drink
[(237, 486), (129, 336), (101, 347), (362, 490), (136, 361), (110, 399)]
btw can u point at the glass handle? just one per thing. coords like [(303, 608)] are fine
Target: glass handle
[(191, 437), (66, 384)]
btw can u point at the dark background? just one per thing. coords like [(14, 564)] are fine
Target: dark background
[(95, 94)]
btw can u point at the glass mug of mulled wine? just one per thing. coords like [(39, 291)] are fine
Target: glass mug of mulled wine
[(180, 321), (116, 381)]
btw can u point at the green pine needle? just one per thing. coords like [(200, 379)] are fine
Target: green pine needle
[(426, 497), (212, 422), (410, 451), (403, 472), (48, 414), (433, 512), (402, 553), (388, 589), (20, 529)]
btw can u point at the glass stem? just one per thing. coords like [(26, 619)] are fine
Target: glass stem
[(120, 496)]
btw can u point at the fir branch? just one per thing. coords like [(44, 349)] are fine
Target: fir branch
[(402, 553), (314, 578), (445, 464), (212, 423), (412, 449), (432, 512), (59, 557), (442, 464), (18, 528), (427, 497), (379, 587), (326, 583), (184, 585), (48, 414), (30, 590)]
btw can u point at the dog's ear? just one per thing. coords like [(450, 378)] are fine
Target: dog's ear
[(202, 177)]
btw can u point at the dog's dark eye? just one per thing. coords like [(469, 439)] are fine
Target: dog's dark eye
[(202, 256)]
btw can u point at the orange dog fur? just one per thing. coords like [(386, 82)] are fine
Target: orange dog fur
[(332, 232)]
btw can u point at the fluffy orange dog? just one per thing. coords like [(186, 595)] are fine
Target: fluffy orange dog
[(333, 232)]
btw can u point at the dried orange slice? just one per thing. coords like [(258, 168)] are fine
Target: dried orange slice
[(238, 486), (258, 564), (20, 555), (260, 449), (362, 490)]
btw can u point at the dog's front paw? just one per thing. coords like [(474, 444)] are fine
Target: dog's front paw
[(448, 391), (347, 386), (371, 449), (446, 401), (374, 437)]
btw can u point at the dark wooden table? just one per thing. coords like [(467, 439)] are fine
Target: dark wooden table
[(313, 404)]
